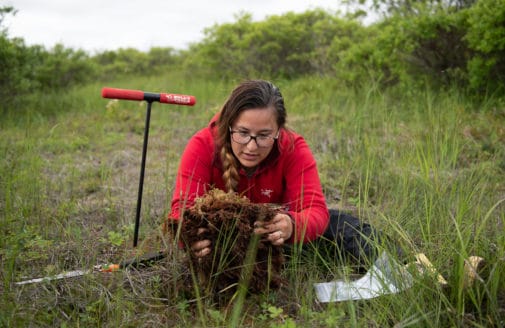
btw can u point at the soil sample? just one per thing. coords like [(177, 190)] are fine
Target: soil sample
[(227, 221)]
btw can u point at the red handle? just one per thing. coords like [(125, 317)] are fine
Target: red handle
[(172, 98), (167, 98)]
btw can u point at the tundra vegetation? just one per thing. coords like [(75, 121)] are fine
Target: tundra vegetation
[(405, 117)]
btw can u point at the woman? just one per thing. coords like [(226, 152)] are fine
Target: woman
[(246, 148)]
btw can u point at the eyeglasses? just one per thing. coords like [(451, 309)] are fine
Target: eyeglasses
[(262, 140)]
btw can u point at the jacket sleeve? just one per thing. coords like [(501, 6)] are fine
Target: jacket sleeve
[(194, 174), (304, 196)]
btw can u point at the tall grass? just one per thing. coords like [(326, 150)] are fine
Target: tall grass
[(427, 169)]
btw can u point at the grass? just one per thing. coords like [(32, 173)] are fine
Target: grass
[(427, 169)]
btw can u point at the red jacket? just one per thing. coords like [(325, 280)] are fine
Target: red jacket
[(288, 176)]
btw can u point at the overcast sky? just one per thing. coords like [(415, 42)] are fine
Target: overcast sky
[(97, 25)]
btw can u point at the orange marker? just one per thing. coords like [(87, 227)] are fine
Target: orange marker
[(110, 268)]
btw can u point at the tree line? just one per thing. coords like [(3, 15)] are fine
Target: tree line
[(440, 43)]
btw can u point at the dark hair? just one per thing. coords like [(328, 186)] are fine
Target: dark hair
[(247, 95)]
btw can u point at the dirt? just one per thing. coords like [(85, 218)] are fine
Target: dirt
[(228, 222)]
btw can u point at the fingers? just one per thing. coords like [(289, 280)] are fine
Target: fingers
[(202, 253), (263, 227), (201, 248), (276, 238), (277, 230)]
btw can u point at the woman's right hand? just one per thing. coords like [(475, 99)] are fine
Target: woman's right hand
[(202, 247)]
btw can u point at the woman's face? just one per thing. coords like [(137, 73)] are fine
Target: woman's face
[(256, 122)]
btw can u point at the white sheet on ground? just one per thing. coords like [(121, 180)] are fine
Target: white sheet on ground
[(384, 277)]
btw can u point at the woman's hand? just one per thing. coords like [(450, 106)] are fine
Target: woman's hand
[(202, 247), (277, 230)]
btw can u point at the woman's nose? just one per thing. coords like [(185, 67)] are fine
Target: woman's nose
[(252, 144)]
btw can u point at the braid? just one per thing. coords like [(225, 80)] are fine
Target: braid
[(230, 172)]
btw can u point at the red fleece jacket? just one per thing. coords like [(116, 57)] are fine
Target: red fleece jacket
[(288, 176)]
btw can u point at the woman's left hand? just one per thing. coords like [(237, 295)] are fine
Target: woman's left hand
[(277, 230)]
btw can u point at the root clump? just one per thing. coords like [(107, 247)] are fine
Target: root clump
[(227, 221)]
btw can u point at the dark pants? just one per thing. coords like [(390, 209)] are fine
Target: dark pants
[(350, 239), (346, 241)]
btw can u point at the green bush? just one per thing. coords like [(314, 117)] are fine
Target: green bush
[(285, 46), (62, 67), (486, 36), (113, 64), (15, 73), (446, 43), (437, 43)]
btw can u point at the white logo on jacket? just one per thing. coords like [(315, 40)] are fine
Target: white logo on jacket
[(267, 192)]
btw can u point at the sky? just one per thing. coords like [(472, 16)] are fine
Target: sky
[(99, 25)]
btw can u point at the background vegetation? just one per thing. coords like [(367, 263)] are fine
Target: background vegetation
[(405, 118), (443, 43)]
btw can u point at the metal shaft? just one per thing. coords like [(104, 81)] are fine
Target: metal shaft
[(142, 170)]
